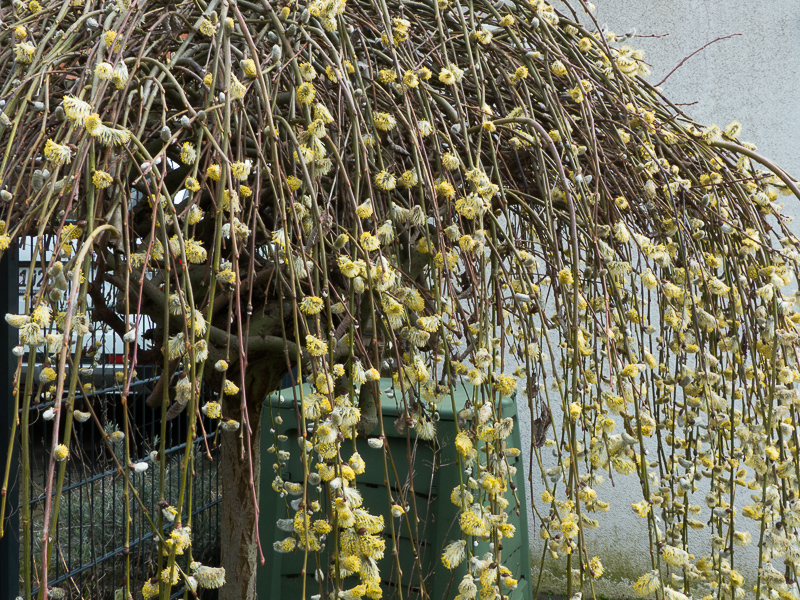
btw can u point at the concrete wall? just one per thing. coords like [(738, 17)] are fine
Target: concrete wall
[(753, 78)]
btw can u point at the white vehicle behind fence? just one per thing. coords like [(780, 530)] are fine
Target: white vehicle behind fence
[(103, 355)]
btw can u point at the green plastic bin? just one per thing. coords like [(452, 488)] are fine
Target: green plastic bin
[(435, 474)]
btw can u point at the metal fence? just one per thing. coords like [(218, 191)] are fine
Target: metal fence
[(89, 546)]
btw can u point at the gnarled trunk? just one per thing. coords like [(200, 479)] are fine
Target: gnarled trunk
[(238, 517)]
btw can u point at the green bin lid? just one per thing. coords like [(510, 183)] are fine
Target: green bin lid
[(391, 398)]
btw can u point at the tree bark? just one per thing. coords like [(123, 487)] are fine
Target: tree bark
[(238, 520), (238, 516)]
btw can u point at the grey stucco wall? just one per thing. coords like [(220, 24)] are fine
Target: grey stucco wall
[(753, 78)]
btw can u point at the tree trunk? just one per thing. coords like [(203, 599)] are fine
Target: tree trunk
[(238, 517)]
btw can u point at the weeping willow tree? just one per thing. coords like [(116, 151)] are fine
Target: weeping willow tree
[(478, 195)]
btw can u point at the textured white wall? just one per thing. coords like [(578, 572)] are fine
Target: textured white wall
[(753, 78)]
